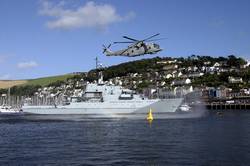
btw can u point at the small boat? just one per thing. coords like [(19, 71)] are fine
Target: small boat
[(185, 108), (5, 109)]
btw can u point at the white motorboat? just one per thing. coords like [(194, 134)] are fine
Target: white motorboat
[(185, 108), (5, 109)]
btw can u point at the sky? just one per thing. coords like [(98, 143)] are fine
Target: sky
[(44, 38)]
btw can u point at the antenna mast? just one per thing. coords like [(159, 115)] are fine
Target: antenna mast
[(96, 63)]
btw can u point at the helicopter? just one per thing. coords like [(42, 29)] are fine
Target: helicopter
[(137, 48)]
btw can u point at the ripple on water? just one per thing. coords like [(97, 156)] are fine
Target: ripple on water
[(208, 140)]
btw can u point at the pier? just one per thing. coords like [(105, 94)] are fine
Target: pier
[(225, 106)]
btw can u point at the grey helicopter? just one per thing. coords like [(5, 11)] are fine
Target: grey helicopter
[(137, 48)]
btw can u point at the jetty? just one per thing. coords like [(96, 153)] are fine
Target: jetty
[(226, 106)]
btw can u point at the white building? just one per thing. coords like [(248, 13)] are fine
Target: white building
[(168, 76), (195, 74), (179, 74), (217, 64), (248, 64), (207, 63), (181, 82), (234, 80)]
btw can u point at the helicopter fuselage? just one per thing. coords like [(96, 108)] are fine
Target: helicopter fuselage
[(136, 49)]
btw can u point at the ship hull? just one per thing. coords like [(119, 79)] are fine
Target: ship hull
[(110, 108)]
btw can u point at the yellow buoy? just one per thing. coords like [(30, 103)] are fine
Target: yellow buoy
[(150, 115)]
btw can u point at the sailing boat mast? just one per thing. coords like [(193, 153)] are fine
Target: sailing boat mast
[(8, 97)]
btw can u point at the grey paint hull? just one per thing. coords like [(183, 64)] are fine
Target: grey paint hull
[(111, 108)]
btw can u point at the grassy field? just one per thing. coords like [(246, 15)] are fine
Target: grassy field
[(48, 80), (10, 83), (39, 81)]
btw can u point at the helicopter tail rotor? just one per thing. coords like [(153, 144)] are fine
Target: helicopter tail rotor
[(105, 49)]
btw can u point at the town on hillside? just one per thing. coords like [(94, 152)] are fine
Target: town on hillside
[(216, 80)]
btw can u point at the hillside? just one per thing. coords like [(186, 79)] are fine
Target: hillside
[(164, 72), (48, 80), (39, 81)]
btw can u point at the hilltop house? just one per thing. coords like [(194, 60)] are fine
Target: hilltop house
[(167, 61), (193, 75), (181, 82), (179, 74), (170, 67), (167, 76), (207, 63), (234, 80), (217, 64), (247, 64)]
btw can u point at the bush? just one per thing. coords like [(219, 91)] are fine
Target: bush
[(27, 90)]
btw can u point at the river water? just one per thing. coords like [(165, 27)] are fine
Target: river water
[(45, 140)]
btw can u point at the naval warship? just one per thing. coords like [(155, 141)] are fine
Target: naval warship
[(108, 99)]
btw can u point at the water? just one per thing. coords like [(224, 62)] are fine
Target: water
[(45, 140)]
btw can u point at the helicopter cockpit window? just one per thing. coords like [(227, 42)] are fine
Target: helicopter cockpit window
[(156, 46)]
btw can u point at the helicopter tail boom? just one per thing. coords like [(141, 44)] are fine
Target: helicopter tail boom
[(106, 50)]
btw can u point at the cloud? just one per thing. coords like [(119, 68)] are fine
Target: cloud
[(5, 77), (26, 65), (86, 16)]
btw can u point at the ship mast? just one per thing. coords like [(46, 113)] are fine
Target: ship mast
[(98, 72)]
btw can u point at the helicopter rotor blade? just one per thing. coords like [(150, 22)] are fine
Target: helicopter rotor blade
[(151, 37), (156, 39), (130, 38), (123, 42)]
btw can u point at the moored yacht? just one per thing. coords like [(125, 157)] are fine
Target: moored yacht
[(5, 109)]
